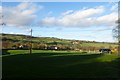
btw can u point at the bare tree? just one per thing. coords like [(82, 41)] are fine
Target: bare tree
[(116, 33)]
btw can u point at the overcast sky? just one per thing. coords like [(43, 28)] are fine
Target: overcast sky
[(91, 21)]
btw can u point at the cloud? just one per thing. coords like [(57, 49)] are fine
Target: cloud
[(0, 9), (0, 15), (20, 15), (15, 33), (82, 18), (50, 12), (107, 20), (114, 7), (67, 12)]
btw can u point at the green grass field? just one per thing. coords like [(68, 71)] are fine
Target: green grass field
[(59, 64)]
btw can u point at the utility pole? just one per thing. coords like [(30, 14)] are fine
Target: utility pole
[(30, 41)]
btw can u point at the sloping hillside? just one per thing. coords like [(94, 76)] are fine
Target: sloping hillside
[(12, 40)]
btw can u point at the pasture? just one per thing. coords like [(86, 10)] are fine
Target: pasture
[(59, 64)]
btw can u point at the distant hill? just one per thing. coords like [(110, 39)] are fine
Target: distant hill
[(14, 39), (25, 37)]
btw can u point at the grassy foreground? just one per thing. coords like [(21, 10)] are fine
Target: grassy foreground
[(59, 64)]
